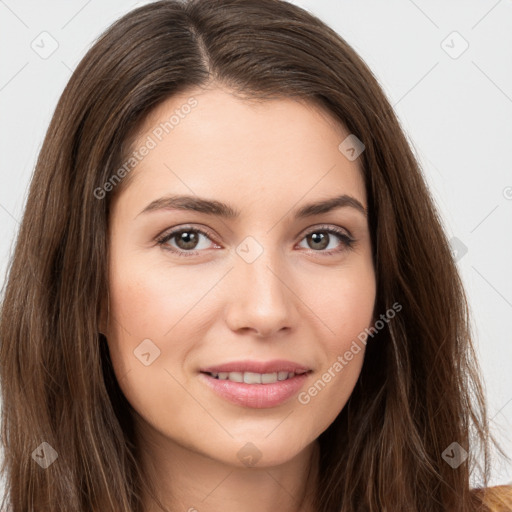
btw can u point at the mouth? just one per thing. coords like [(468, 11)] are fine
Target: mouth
[(261, 389), (278, 366), (255, 377)]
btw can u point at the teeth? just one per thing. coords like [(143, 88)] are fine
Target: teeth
[(236, 376), (255, 378)]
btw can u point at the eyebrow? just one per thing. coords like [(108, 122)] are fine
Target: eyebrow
[(220, 209)]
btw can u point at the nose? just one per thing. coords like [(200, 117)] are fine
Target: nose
[(261, 299)]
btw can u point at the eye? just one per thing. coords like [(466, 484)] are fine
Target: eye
[(187, 240), (320, 237)]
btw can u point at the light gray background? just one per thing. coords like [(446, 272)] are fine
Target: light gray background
[(456, 108)]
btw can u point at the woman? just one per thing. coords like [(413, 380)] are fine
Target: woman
[(231, 288)]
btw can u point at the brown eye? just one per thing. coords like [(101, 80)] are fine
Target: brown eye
[(320, 238), (186, 241)]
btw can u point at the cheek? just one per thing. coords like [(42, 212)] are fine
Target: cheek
[(345, 311), (148, 300), (344, 301), (155, 311), (326, 396), (145, 310)]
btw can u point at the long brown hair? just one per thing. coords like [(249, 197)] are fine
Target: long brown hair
[(419, 389)]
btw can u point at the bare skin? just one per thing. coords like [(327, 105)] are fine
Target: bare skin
[(301, 300)]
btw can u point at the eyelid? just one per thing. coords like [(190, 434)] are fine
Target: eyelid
[(328, 227)]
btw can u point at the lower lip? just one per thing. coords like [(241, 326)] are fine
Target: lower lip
[(257, 396)]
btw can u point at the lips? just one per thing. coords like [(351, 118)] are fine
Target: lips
[(256, 384), (275, 366), (257, 396)]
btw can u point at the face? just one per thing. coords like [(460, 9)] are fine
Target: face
[(191, 289)]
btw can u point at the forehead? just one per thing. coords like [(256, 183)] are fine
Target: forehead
[(214, 143)]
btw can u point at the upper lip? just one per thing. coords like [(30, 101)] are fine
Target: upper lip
[(277, 365)]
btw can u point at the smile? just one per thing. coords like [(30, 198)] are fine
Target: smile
[(255, 378), (254, 390)]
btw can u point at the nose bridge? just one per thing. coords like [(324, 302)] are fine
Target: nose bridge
[(258, 263), (261, 298)]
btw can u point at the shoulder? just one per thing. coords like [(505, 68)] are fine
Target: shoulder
[(496, 499)]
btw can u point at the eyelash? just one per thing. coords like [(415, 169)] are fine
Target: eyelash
[(346, 241)]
